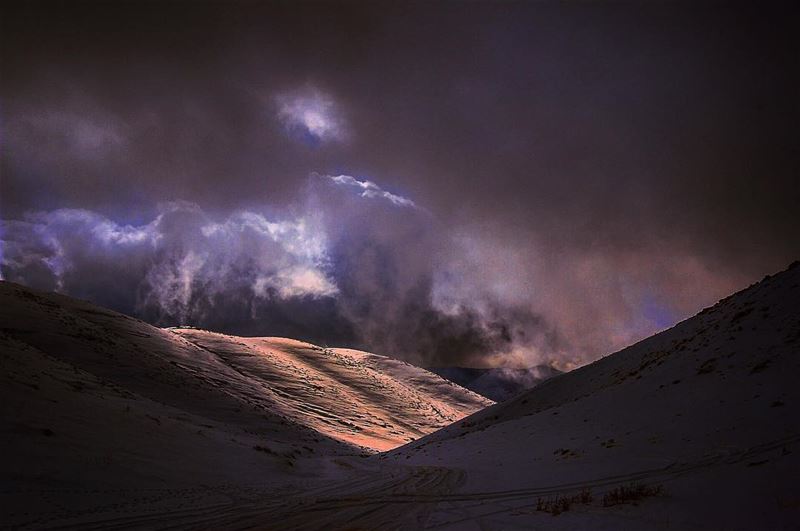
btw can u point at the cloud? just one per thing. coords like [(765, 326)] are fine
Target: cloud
[(369, 189), (344, 270), (367, 269), (172, 269), (87, 135), (582, 192), (391, 260), (312, 114)]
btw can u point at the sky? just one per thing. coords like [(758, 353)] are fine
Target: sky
[(449, 183)]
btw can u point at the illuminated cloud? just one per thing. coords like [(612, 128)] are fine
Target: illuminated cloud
[(358, 266), (180, 264), (348, 268), (312, 114), (296, 282), (369, 189)]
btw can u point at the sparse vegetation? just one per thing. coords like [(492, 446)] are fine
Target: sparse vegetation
[(565, 453), (560, 504), (631, 493)]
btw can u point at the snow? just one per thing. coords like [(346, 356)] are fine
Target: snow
[(708, 409), (706, 412), (105, 416)]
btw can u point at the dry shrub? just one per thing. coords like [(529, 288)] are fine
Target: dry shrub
[(560, 504), (631, 493)]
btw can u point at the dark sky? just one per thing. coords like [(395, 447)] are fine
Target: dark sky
[(449, 183)]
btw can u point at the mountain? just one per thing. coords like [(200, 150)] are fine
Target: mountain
[(105, 414), (497, 383), (695, 428), (355, 397)]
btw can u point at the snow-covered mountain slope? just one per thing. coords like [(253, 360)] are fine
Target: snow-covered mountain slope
[(99, 409), (351, 396), (496, 383), (707, 409), (695, 428)]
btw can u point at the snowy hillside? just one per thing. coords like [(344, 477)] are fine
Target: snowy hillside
[(695, 428), (706, 413), (100, 409)]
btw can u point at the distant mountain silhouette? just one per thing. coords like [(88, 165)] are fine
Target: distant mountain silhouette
[(496, 383)]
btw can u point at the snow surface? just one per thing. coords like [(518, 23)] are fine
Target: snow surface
[(104, 415), (705, 414), (708, 409)]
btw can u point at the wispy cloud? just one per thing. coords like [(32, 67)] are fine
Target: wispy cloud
[(179, 264), (313, 114), (369, 189), (355, 262)]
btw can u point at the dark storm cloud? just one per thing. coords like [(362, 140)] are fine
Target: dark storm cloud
[(346, 268), (576, 176)]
